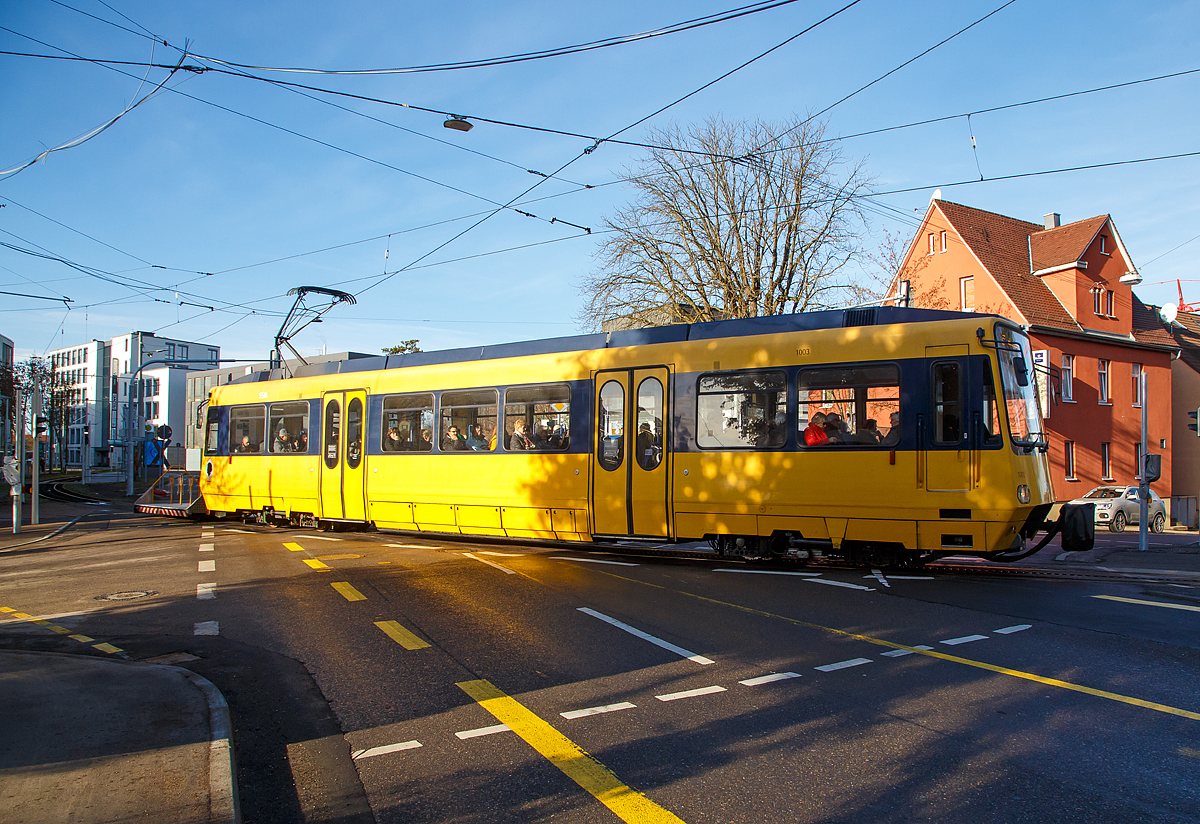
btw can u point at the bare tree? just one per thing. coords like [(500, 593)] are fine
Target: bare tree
[(761, 222)]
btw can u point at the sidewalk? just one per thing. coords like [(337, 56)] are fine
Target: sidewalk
[(88, 740)]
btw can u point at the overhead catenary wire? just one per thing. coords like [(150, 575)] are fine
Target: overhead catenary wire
[(596, 145)]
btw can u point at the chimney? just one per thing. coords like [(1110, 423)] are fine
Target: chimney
[(1053, 220)]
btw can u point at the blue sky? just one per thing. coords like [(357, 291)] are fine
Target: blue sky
[(227, 201)]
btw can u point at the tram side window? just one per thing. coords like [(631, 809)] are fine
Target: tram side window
[(212, 433), (537, 418), (289, 427), (469, 420), (407, 423), (742, 410), (247, 429), (947, 404), (991, 409), (849, 406)]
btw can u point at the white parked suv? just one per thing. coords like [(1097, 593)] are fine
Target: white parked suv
[(1117, 506)]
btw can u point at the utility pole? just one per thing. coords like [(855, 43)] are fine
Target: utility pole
[(1143, 484), (19, 453), (35, 404)]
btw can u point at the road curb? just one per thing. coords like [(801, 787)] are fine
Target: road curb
[(223, 805)]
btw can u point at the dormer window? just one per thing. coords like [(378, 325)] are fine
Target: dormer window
[(1104, 245)]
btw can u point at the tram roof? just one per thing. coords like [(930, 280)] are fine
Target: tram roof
[(677, 333)]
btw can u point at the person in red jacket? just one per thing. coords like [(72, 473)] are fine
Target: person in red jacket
[(815, 435)]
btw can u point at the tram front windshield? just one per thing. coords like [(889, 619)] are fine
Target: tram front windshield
[(1020, 388)]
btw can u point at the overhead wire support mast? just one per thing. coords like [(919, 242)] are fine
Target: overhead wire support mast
[(301, 315)]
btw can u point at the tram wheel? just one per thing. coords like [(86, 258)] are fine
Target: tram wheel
[(1118, 523)]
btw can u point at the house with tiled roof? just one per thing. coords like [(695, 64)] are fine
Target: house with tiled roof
[(1185, 397), (1063, 283)]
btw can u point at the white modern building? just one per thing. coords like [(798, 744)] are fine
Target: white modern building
[(101, 398), (6, 404)]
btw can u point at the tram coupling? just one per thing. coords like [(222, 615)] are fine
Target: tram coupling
[(1076, 524)]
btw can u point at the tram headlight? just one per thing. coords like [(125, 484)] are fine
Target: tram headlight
[(1023, 494)]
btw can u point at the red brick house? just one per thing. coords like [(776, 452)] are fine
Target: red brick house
[(1063, 284)]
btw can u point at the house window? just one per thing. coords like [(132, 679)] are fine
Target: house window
[(943, 241), (1069, 459), (1103, 382), (1105, 462), (1096, 301), (1068, 377), (1137, 384), (932, 249), (183, 352), (212, 356), (170, 351), (1109, 309), (966, 291), (1104, 245)]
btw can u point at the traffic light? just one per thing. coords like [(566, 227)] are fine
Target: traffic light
[(164, 432), (1195, 416)]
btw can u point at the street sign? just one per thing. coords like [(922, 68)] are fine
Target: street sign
[(164, 432), (12, 474), (152, 453)]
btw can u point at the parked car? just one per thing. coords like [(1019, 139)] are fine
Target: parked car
[(1117, 506)]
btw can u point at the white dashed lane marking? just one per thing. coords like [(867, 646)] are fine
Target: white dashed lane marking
[(384, 750), (837, 584), (590, 560), (898, 653), (498, 554), (966, 639), (206, 628), (853, 662), (675, 696), (206, 592), (624, 705), (321, 538), (207, 547), (206, 566), (769, 679), (772, 572), (465, 734), (493, 565), (1010, 630), (658, 642)]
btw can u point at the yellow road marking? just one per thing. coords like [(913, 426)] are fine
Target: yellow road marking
[(109, 648), (1189, 752), (628, 804), (401, 635), (60, 630), (7, 609), (23, 616), (1148, 603), (83, 639), (293, 547), (1028, 676), (315, 564), (348, 592), (41, 621)]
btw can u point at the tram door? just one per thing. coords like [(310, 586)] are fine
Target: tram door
[(949, 455), (629, 487), (343, 471)]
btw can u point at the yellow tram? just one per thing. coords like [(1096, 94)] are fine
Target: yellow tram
[(881, 435)]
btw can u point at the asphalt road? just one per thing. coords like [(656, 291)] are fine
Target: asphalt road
[(404, 679)]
